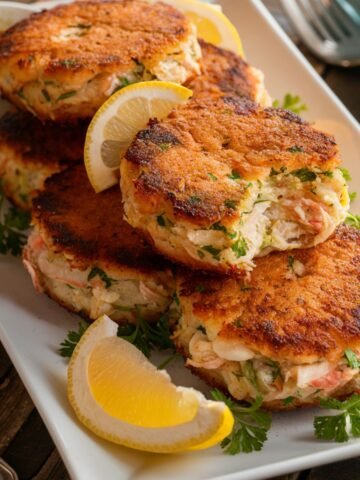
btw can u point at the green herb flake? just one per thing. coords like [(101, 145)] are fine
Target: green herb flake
[(230, 204), (161, 221), (46, 95), (194, 200), (20, 93), (213, 177), (345, 173), (352, 196), (339, 427), (68, 63), (240, 247), (66, 95), (274, 172), (353, 220), (97, 272), (288, 400), (295, 149), (67, 347), (13, 223), (291, 261), (200, 288), (200, 254), (292, 103), (214, 252), (238, 323), (250, 428), (304, 175), (235, 175), (147, 337), (327, 173), (351, 359), (164, 146)]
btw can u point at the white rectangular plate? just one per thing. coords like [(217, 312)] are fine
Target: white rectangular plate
[(32, 326)]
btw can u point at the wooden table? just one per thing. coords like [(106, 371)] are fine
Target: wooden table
[(24, 441)]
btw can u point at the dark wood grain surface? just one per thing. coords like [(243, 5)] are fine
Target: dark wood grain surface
[(24, 441)]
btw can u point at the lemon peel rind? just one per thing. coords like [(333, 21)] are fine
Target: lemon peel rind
[(202, 431), (103, 177)]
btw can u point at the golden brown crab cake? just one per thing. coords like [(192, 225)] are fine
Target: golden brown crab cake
[(223, 180), (87, 258), (65, 62), (223, 71), (31, 151), (283, 331)]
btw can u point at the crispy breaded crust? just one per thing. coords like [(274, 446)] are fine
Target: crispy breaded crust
[(283, 316), (223, 71), (215, 136), (89, 228), (74, 43), (43, 145)]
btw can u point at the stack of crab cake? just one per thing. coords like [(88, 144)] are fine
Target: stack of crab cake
[(248, 199), (81, 252)]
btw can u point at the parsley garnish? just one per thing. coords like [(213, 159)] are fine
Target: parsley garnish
[(288, 400), (251, 425), (234, 175), (96, 271), (351, 359), (240, 247), (338, 427), (147, 337), (352, 196), (304, 175), (215, 252), (230, 204), (68, 63), (200, 254), (67, 347), (163, 221), (353, 220), (345, 173), (12, 224), (292, 103), (295, 149)]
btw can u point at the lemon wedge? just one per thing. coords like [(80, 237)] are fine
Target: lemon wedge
[(119, 395), (211, 24), (119, 119)]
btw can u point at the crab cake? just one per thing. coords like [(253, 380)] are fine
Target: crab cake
[(223, 71), (83, 255), (31, 151), (65, 62), (283, 332), (223, 180)]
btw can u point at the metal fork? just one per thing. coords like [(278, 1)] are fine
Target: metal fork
[(329, 28)]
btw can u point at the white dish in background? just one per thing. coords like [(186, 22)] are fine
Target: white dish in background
[(32, 326)]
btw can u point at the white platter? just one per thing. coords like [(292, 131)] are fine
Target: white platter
[(32, 326)]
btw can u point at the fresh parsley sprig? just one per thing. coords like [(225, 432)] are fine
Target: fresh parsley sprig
[(250, 428), (353, 220), (144, 335), (339, 427), (67, 347), (292, 103), (147, 336), (13, 223)]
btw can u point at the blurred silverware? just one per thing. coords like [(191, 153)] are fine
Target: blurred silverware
[(329, 28), (6, 472)]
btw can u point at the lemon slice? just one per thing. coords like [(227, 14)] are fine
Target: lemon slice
[(212, 25), (119, 395), (119, 119)]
